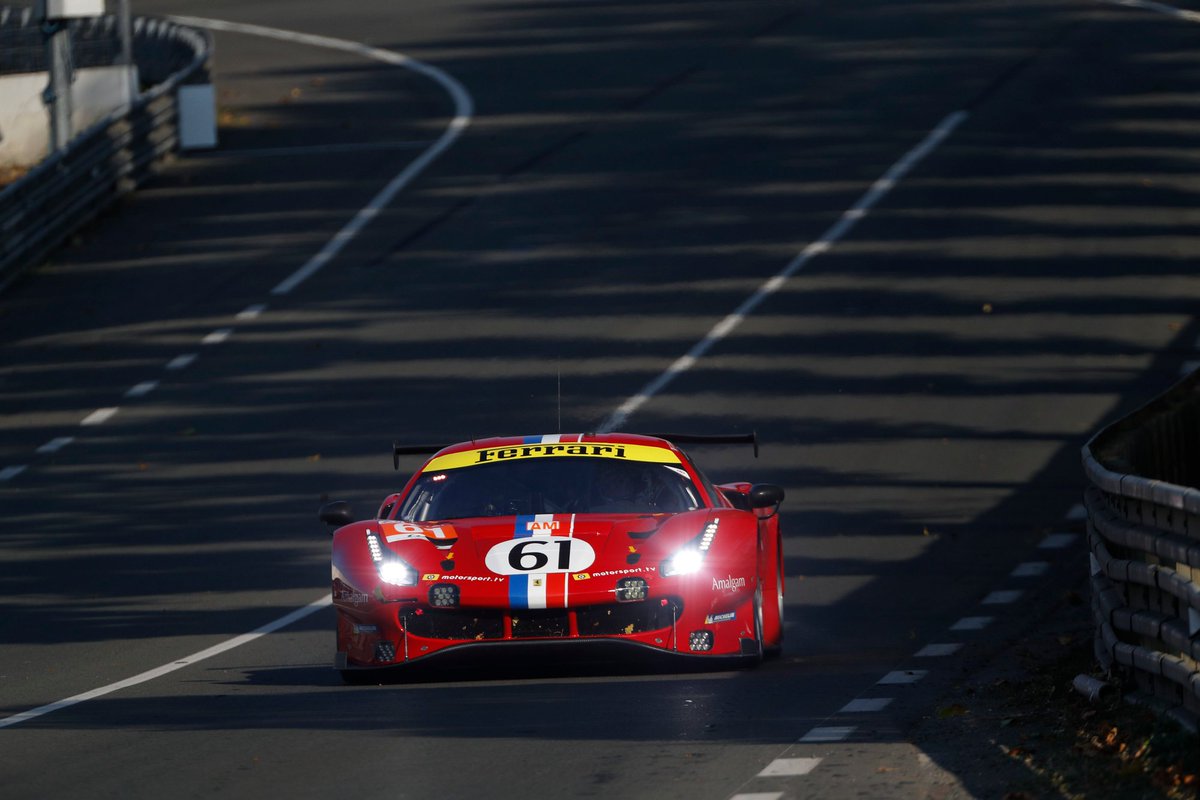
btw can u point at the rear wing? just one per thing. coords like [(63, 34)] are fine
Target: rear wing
[(710, 438), (412, 450)]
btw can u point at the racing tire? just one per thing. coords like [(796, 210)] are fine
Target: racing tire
[(772, 601), (757, 653)]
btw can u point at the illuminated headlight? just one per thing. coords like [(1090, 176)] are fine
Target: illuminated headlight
[(683, 562), (391, 570), (397, 573)]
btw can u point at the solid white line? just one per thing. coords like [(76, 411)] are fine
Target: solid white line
[(218, 336), (99, 416), (158, 672), (1162, 8), (181, 362), (8, 473), (142, 389), (55, 444), (836, 232), (463, 109), (789, 766)]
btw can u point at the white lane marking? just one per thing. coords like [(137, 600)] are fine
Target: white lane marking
[(142, 389), (99, 416), (252, 311), (463, 109), (8, 473), (1078, 513), (972, 623), (56, 444), (789, 766), (1057, 541), (832, 733), (218, 336), (1030, 569), (866, 705), (314, 149), (186, 661), (938, 650), (903, 677), (181, 362), (1002, 597), (1162, 8), (839, 229)]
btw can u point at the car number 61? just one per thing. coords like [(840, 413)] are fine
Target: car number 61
[(541, 554)]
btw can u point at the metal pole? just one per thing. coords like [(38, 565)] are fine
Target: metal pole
[(125, 32), (57, 95)]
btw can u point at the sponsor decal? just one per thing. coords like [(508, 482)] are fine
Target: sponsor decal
[(607, 572), (547, 525), (581, 576), (728, 616), (366, 629), (430, 576), (408, 530), (494, 455), (475, 578), (729, 583)]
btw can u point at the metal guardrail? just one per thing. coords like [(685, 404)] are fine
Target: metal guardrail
[(112, 156), (1144, 534)]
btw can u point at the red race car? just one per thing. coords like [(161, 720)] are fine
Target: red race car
[(561, 538)]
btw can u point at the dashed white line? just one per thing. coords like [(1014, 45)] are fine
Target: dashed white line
[(903, 677), (788, 767), (181, 362), (8, 473), (1030, 569), (252, 312), (834, 234), (828, 733), (142, 389), (972, 623), (938, 650), (99, 416), (55, 444), (1002, 597), (1057, 541), (866, 705), (218, 336)]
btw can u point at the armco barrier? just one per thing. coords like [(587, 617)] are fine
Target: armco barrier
[(108, 159), (1144, 533)]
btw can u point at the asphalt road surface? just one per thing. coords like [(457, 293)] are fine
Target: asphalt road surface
[(939, 345)]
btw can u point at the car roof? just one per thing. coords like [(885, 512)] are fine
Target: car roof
[(563, 438)]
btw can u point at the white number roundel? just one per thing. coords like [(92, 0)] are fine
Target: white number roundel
[(541, 554)]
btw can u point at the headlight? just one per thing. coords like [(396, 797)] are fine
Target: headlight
[(397, 573), (391, 569), (683, 562), (688, 560)]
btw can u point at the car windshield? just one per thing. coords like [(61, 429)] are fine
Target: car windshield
[(563, 485)]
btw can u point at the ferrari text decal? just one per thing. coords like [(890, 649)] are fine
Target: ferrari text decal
[(542, 555), (728, 583), (492, 455)]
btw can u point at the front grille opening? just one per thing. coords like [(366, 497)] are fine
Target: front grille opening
[(548, 624), (437, 623), (627, 618)]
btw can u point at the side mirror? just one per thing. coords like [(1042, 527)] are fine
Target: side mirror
[(337, 513), (765, 495)]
